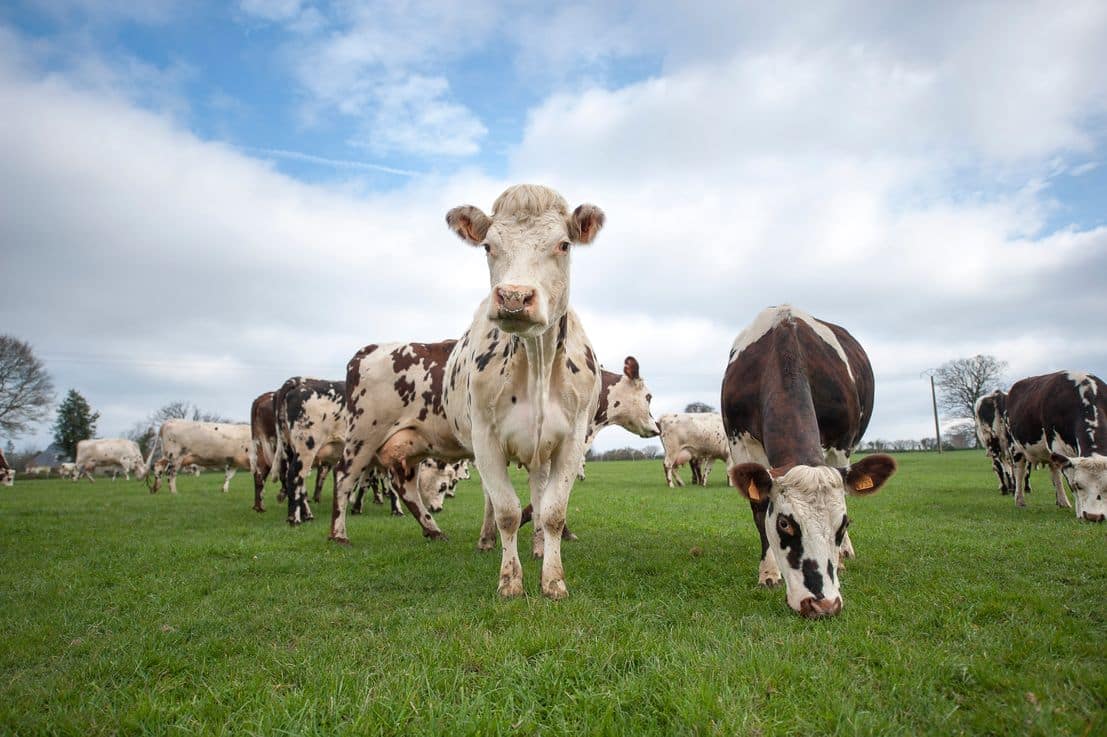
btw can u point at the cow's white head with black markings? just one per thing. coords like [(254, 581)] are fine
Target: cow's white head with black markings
[(628, 402), (806, 521), (7, 477), (528, 240), (1088, 479)]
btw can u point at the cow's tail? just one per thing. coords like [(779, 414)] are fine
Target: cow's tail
[(149, 465)]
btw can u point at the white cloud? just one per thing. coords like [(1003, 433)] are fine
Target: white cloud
[(853, 169)]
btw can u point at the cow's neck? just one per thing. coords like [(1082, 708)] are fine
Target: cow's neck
[(790, 425), (541, 352)]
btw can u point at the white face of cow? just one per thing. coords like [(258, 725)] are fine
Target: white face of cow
[(7, 477), (628, 402), (1088, 479), (806, 520), (461, 470), (527, 242)]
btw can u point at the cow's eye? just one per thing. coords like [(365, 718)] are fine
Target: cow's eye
[(487, 247), (564, 246), (649, 398), (784, 526)]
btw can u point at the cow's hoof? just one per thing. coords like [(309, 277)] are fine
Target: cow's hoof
[(293, 522), (485, 545), (309, 518), (436, 535), (281, 496), (1066, 505), (566, 535), (555, 590), (537, 553), (355, 510), (510, 587), (339, 539), (397, 513), (1020, 505), (770, 582), (259, 508)]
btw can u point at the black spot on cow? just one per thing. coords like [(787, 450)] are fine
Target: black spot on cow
[(405, 389), (813, 579), (571, 366), (791, 539), (513, 399), (310, 443), (830, 569), (589, 359), (562, 330), (841, 532), (482, 359)]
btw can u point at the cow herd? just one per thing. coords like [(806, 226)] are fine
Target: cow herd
[(523, 386)]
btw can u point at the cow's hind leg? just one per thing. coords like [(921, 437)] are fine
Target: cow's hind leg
[(399, 455), (228, 474), (320, 479), (356, 460)]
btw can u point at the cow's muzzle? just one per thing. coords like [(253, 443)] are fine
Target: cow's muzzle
[(515, 303), (813, 608), (1093, 517)]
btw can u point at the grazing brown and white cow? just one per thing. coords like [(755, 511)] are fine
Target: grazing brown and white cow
[(67, 470), (263, 444), (108, 453), (1060, 419), (7, 473), (796, 399), (223, 445), (311, 428), (990, 413), (697, 438)]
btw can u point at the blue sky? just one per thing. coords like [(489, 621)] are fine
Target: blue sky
[(202, 199)]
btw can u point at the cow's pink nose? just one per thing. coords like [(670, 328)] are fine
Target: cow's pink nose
[(1093, 517), (511, 298), (814, 608)]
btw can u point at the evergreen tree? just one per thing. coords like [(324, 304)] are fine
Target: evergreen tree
[(76, 422)]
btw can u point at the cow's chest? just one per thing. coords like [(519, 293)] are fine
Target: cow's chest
[(516, 427)]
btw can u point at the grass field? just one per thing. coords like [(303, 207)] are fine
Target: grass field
[(122, 612)]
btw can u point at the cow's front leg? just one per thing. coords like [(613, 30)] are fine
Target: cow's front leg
[(1059, 487), (537, 481), (228, 474), (171, 477), (705, 470), (259, 475), (555, 504), (768, 573), (492, 466), (353, 465)]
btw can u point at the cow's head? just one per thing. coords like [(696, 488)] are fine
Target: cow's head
[(461, 470), (628, 402), (805, 521), (527, 241), (435, 479), (7, 477), (1088, 479)]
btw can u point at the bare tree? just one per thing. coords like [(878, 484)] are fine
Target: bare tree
[(184, 411), (26, 390), (965, 380), (699, 408)]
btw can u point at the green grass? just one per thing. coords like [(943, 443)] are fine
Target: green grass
[(122, 612)]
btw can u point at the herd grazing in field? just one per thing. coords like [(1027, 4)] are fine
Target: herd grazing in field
[(523, 386)]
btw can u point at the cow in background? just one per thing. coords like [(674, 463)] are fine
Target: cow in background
[(797, 397), (1060, 419), (696, 438), (209, 444), (111, 453), (990, 415), (7, 473), (311, 426)]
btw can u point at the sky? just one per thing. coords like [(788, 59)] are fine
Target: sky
[(199, 200)]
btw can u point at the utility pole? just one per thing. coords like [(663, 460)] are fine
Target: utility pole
[(934, 403)]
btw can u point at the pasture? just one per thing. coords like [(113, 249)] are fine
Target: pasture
[(123, 612)]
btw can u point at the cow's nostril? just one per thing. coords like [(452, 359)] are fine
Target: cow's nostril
[(1093, 517)]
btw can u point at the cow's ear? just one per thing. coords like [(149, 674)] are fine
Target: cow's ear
[(469, 223), (585, 223), (752, 480), (869, 474), (1060, 461), (630, 368)]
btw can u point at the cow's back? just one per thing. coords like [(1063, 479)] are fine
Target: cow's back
[(825, 356), (1065, 406)]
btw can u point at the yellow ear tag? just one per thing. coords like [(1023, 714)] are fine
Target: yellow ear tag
[(755, 493), (863, 483)]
